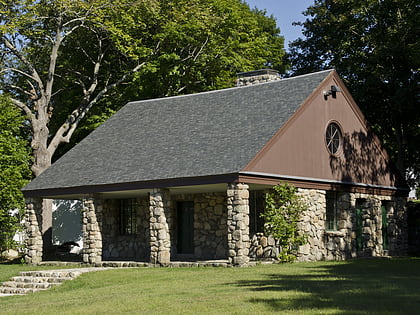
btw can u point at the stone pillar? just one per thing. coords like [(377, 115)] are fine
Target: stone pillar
[(92, 235), (160, 239), (33, 226), (238, 224)]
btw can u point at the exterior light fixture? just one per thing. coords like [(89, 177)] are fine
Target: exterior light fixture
[(332, 92)]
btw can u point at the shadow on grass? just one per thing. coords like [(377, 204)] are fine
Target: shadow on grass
[(356, 287)]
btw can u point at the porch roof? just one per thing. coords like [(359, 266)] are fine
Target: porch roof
[(205, 134)]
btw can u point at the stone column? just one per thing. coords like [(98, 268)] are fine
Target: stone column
[(33, 226), (92, 235), (238, 224), (160, 239)]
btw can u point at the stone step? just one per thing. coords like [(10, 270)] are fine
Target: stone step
[(29, 285), (33, 281), (27, 279), (17, 291), (52, 273)]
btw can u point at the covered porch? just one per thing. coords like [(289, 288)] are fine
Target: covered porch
[(160, 226)]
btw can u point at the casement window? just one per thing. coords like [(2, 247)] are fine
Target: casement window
[(331, 211), (256, 207), (128, 214)]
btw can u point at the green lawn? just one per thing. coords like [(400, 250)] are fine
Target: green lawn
[(372, 286)]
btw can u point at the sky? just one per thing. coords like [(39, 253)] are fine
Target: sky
[(286, 12)]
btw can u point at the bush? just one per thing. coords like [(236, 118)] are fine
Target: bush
[(283, 209)]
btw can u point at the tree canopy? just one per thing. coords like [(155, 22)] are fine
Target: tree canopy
[(14, 169), (63, 59), (374, 46)]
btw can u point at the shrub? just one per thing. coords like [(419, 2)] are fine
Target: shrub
[(283, 209)]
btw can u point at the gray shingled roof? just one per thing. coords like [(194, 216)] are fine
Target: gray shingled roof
[(202, 134)]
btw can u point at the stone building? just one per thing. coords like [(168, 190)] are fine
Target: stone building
[(184, 177)]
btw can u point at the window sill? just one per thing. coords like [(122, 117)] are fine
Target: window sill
[(334, 233)]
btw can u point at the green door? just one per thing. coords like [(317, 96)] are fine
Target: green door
[(359, 225), (385, 240), (185, 220)]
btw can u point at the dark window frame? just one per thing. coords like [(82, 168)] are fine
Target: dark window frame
[(128, 216), (256, 208), (331, 211)]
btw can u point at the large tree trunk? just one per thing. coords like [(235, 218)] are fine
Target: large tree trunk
[(41, 161)]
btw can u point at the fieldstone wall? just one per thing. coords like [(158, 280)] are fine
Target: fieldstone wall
[(125, 247), (33, 240), (398, 227), (160, 220), (92, 231), (263, 247), (210, 225), (313, 225), (340, 244), (238, 224)]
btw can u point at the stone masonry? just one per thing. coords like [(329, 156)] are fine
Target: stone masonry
[(257, 77), (125, 247), (238, 224), (33, 241), (340, 244), (160, 220), (92, 232), (210, 224)]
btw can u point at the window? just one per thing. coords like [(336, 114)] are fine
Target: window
[(331, 211), (361, 204), (128, 213), (385, 209), (256, 207), (333, 138)]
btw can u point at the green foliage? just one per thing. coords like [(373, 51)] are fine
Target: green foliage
[(182, 47), (374, 46), (14, 171), (283, 210)]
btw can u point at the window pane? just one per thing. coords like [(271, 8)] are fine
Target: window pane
[(128, 212), (256, 207), (331, 211)]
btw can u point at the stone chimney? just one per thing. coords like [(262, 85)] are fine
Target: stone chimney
[(257, 76)]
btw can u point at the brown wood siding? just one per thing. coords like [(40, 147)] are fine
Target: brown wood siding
[(299, 148)]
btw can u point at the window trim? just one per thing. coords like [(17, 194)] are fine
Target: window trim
[(128, 216), (330, 139), (331, 200)]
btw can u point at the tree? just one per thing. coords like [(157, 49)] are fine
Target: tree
[(374, 46), (14, 171), (61, 58), (283, 210)]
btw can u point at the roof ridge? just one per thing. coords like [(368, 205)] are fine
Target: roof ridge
[(228, 89)]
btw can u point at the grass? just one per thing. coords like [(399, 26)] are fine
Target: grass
[(373, 286)]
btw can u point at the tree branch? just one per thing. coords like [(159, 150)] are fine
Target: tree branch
[(66, 130), (34, 74), (23, 108)]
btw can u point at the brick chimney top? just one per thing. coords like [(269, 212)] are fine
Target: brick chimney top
[(256, 77)]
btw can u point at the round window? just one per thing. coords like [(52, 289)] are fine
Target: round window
[(333, 138)]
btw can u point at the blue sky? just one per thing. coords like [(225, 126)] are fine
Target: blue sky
[(286, 12)]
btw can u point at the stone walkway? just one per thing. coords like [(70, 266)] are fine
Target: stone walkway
[(33, 281)]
